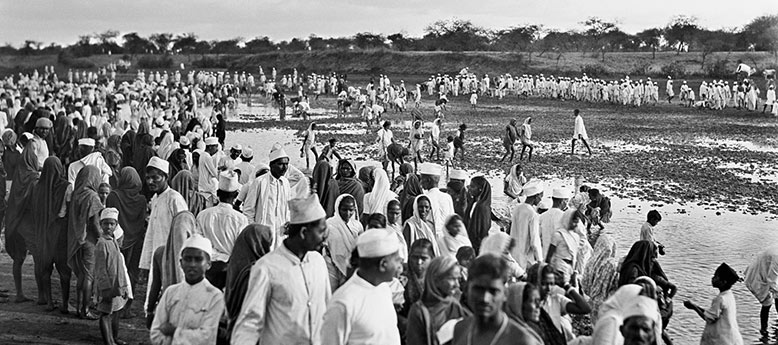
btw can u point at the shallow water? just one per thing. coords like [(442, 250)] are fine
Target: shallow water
[(696, 239)]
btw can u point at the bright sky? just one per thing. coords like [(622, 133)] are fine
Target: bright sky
[(62, 21)]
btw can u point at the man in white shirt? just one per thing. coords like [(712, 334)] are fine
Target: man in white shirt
[(441, 203), (361, 311), (549, 221), (245, 167), (267, 197), (384, 139), (525, 226), (288, 288), (86, 147), (580, 132), (165, 205), (207, 179), (189, 312), (221, 225)]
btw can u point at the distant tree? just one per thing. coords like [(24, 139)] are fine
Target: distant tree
[(107, 40), (518, 38), (294, 45), (134, 44), (259, 45), (400, 42), (455, 35), (762, 33), (227, 46), (30, 47), (680, 32), (707, 42), (185, 43), (597, 33), (650, 38), (8, 49), (316, 42), (367, 40), (162, 41), (340, 43)]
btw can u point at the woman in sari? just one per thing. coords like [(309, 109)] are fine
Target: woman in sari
[(478, 215), (501, 244), (419, 256), (344, 228), (600, 278), (51, 238), (411, 189), (454, 237), (142, 153), (177, 162), (379, 197), (348, 183), (166, 145), (457, 189), (420, 225), (438, 303), (514, 182), (326, 186), (19, 233), (127, 198), (366, 177), (184, 183), (63, 138), (83, 231), (126, 145), (565, 242), (251, 244), (522, 305)]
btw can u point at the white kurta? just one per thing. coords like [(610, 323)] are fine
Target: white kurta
[(40, 148), (721, 326), (207, 180), (361, 314), (267, 203), (525, 229), (580, 129), (442, 207), (221, 224), (285, 301), (164, 207), (194, 310), (548, 222)]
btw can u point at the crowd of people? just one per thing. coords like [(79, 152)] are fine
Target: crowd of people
[(131, 184)]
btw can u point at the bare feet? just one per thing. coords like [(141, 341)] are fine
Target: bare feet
[(21, 299)]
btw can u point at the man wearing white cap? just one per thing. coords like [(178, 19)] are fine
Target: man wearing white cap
[(268, 195), (86, 147), (221, 225), (549, 220), (525, 226), (244, 167), (189, 312), (38, 143), (165, 205), (457, 190), (361, 311), (441, 203), (208, 174), (289, 288)]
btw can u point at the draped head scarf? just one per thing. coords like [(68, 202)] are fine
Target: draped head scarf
[(181, 228), (184, 183), (343, 235), (251, 244), (640, 256), (350, 184), (48, 195), (379, 197), (437, 270), (127, 198), (422, 227), (448, 244), (326, 187), (514, 303), (17, 213), (411, 189), (478, 215), (85, 203), (515, 180), (600, 278), (366, 177)]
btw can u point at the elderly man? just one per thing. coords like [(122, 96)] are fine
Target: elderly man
[(288, 288), (165, 205), (38, 143), (221, 225), (208, 174), (189, 312), (525, 226), (549, 220), (268, 195), (361, 311), (441, 203)]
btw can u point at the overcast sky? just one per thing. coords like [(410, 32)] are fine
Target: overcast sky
[(62, 21)]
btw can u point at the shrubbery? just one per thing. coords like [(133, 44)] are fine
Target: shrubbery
[(675, 70), (66, 58), (595, 70), (151, 61)]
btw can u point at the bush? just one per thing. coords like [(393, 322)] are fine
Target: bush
[(675, 70), (718, 70), (152, 62), (214, 62), (641, 70), (595, 70), (67, 59)]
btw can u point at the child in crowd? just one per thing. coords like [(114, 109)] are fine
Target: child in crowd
[(329, 151), (111, 288), (435, 139), (721, 318), (103, 192), (647, 230), (465, 255), (473, 100), (448, 156)]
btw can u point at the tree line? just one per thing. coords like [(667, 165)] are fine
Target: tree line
[(596, 35)]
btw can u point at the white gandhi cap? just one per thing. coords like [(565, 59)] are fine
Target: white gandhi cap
[(376, 243)]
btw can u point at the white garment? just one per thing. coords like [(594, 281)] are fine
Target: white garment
[(164, 207), (93, 159), (442, 208), (377, 200), (580, 129), (361, 314), (221, 225), (525, 230), (247, 171), (267, 203), (40, 148), (194, 310), (549, 221), (285, 301), (207, 180), (342, 237)]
